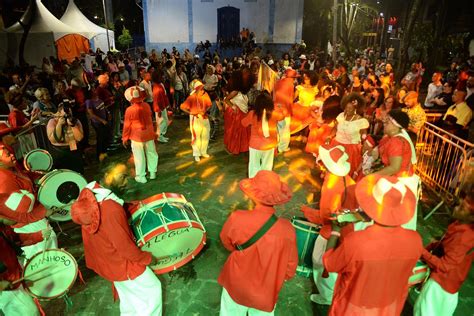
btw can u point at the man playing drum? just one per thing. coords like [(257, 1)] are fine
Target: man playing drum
[(374, 264), (109, 246), (261, 259), (450, 260)]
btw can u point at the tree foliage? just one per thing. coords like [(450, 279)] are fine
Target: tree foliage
[(125, 39)]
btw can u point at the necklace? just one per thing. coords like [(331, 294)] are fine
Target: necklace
[(352, 117)]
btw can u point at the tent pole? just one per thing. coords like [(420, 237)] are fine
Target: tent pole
[(106, 24)]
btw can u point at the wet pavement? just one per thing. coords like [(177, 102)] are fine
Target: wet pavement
[(211, 185)]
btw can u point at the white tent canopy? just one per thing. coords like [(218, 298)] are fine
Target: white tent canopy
[(97, 35)]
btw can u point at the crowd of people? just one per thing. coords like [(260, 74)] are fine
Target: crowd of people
[(354, 117)]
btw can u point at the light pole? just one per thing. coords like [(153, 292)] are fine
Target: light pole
[(334, 31), (106, 24)]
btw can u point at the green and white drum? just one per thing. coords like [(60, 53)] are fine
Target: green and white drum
[(420, 274), (306, 234), (50, 274), (167, 226)]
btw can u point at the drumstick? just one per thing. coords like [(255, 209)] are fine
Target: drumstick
[(27, 277), (44, 247)]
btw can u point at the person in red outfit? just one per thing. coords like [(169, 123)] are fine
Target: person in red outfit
[(450, 260), (197, 105), (253, 277), (284, 96), (263, 133), (337, 193), (138, 127), (14, 300), (160, 106), (374, 264), (109, 246)]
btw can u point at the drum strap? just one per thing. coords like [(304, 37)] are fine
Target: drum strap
[(268, 224)]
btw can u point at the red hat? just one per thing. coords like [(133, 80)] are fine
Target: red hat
[(85, 211), (291, 73), (266, 188), (135, 94), (20, 201), (386, 199), (335, 159)]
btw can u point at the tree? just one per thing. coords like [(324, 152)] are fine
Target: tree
[(125, 39)]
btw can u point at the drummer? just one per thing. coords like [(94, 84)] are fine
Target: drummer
[(337, 192), (109, 247), (450, 260), (13, 298), (374, 264)]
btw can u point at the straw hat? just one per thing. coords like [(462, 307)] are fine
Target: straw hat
[(135, 94), (266, 188), (386, 200)]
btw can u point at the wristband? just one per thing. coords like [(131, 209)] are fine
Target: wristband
[(335, 233)]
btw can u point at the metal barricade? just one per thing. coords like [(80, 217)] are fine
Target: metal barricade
[(444, 162)]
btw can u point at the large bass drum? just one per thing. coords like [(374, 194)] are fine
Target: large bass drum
[(58, 190), (167, 226)]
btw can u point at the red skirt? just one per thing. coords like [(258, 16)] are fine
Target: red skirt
[(354, 151), (236, 136), (317, 137), (300, 118)]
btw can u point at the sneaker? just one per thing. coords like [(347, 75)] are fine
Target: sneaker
[(163, 139), (140, 179), (196, 158), (318, 299), (152, 175), (206, 156)]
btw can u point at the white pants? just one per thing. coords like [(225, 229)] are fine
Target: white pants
[(17, 303), (144, 154), (325, 285), (284, 133), (200, 129), (141, 296), (260, 160), (231, 308), (434, 300), (164, 122)]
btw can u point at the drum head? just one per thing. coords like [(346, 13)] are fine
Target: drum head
[(58, 189), (50, 274), (169, 229), (38, 160)]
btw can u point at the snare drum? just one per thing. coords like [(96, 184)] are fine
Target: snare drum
[(306, 234), (167, 226), (421, 273), (50, 275), (59, 189), (38, 160)]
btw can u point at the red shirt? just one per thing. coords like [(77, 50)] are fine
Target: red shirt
[(254, 277), (79, 97), (285, 93), (374, 266), (8, 257), (452, 269), (138, 125), (257, 140), (197, 104), (17, 119), (160, 99), (111, 251), (396, 146), (335, 195)]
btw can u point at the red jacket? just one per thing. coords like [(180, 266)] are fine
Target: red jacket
[(254, 276), (257, 140), (452, 269), (285, 93), (374, 266), (160, 99), (17, 119), (197, 104), (111, 251), (138, 125)]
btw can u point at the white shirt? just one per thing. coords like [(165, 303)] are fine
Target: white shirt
[(348, 132), (433, 90)]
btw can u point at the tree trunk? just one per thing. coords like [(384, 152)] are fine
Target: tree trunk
[(407, 35)]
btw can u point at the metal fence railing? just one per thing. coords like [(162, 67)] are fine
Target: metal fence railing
[(445, 163)]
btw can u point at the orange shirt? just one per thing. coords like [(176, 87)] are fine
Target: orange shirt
[(257, 140), (254, 276), (160, 100), (138, 125), (374, 266), (285, 93), (197, 104)]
